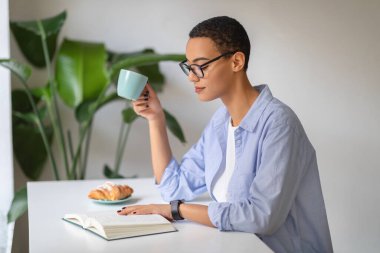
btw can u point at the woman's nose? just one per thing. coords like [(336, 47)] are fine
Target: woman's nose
[(192, 77)]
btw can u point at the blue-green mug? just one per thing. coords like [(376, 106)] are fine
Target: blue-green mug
[(130, 84)]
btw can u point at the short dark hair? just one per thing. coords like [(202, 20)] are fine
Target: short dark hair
[(227, 34)]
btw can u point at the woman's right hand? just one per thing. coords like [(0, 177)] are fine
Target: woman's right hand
[(148, 105)]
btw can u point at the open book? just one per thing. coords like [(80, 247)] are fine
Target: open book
[(111, 226)]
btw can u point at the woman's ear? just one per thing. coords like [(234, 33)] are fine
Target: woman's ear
[(238, 61)]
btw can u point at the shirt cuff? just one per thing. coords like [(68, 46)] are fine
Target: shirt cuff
[(219, 215), (166, 181)]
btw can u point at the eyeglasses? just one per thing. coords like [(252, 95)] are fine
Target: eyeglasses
[(198, 69)]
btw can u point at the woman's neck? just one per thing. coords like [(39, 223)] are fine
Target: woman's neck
[(239, 99)]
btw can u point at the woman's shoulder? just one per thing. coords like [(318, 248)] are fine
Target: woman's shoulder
[(279, 114)]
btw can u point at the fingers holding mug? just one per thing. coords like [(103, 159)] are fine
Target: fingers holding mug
[(140, 106)]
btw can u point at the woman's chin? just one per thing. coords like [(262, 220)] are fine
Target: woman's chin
[(204, 98)]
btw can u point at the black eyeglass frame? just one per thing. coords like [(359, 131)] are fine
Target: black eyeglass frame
[(187, 68)]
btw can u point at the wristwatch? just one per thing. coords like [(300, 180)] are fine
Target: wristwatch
[(175, 209)]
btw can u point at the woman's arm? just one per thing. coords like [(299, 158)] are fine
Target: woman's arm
[(149, 107), (160, 148), (182, 181), (194, 212)]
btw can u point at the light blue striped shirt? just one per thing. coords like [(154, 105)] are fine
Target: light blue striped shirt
[(274, 192)]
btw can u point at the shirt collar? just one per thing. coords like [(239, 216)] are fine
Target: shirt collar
[(254, 113)]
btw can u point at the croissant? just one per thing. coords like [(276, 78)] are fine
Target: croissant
[(110, 191)]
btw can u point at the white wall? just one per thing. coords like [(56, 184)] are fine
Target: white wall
[(6, 160), (319, 57)]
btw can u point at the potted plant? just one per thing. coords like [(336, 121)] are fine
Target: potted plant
[(82, 75)]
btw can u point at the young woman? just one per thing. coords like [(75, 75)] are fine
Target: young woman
[(254, 157)]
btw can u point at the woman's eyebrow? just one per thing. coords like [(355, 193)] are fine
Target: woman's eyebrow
[(200, 59)]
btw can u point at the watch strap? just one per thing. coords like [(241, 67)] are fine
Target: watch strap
[(174, 204)]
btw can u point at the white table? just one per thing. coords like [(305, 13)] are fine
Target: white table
[(49, 201)]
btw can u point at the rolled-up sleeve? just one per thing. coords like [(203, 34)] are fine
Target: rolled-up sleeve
[(187, 179), (283, 157)]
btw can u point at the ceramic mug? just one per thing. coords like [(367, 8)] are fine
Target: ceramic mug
[(130, 84)]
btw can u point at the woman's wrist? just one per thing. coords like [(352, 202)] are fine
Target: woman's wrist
[(158, 119)]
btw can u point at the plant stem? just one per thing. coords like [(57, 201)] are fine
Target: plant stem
[(69, 139), (85, 127), (80, 161), (42, 131), (86, 148), (79, 149), (119, 142), (56, 120), (121, 152)]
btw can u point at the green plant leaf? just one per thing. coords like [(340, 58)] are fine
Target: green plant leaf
[(141, 60), (22, 109), (111, 97), (22, 71), (129, 115), (113, 57), (85, 111), (156, 78), (19, 205), (109, 173), (81, 71), (28, 146), (108, 99), (174, 126), (29, 149), (28, 37), (20, 102), (27, 117), (42, 92)]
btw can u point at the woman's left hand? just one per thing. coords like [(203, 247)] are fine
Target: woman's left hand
[(162, 209)]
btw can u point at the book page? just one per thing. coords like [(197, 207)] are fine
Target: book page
[(110, 225), (111, 218), (79, 219)]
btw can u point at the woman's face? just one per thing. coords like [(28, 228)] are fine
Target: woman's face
[(217, 75)]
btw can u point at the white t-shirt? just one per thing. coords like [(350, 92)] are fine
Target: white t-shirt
[(221, 185)]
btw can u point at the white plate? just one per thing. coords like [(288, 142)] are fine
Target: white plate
[(101, 201)]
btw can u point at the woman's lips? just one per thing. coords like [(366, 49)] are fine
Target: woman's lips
[(199, 89)]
